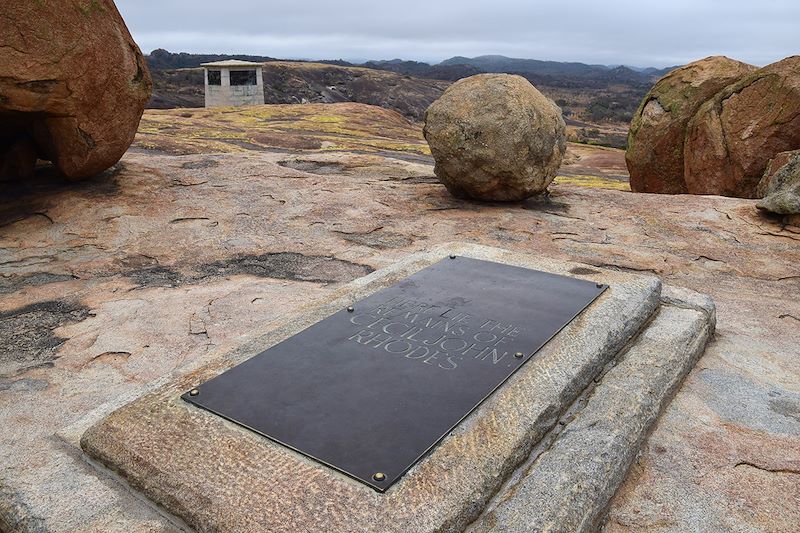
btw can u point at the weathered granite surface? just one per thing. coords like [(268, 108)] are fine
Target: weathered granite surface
[(175, 260), (569, 485), (219, 477)]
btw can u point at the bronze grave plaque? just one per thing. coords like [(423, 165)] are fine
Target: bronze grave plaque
[(373, 388)]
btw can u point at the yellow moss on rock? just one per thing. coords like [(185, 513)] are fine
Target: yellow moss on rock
[(347, 126), (344, 127), (599, 182)]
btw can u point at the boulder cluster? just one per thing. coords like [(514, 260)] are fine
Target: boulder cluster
[(713, 126), (495, 137), (73, 86)]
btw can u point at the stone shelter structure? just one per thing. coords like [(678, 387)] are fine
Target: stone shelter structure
[(233, 83)]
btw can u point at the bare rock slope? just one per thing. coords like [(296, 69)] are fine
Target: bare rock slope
[(197, 244)]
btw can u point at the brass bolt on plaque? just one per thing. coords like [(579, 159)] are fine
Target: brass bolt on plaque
[(599, 285), (194, 392), (379, 476), (519, 355), (452, 256), (350, 308)]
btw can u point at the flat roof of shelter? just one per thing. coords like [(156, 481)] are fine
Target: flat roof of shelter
[(231, 63)]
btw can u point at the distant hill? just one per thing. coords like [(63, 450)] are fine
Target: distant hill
[(496, 63), (658, 72), (424, 70), (561, 74), (161, 59), (288, 82), (557, 73)]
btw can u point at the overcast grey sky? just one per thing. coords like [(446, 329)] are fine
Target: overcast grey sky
[(643, 33)]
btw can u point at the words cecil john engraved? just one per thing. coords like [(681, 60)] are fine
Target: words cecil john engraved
[(432, 334)]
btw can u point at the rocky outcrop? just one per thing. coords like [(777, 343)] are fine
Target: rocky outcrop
[(712, 127), (495, 137), (734, 134), (775, 164), (73, 85), (782, 190), (655, 142)]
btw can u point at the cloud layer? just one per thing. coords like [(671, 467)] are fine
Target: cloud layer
[(607, 32)]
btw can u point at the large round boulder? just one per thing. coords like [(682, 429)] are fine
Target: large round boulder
[(73, 85), (655, 140), (495, 137), (734, 134)]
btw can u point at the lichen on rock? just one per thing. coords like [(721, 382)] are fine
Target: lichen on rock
[(732, 137), (655, 155)]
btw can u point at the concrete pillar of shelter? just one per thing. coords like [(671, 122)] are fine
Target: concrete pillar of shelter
[(226, 94)]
